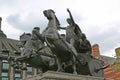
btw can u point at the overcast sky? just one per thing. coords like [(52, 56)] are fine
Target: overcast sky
[(98, 19)]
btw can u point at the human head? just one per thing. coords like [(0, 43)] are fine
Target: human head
[(83, 36), (68, 20), (63, 36), (37, 28)]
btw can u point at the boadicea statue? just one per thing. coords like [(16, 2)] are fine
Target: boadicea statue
[(49, 50)]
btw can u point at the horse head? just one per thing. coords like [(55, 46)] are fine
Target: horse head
[(49, 13)]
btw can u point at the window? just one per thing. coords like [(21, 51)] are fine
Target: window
[(29, 75), (29, 71), (39, 71), (4, 76), (17, 76), (5, 68), (5, 64)]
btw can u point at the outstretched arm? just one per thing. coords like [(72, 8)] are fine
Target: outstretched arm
[(72, 20), (64, 28)]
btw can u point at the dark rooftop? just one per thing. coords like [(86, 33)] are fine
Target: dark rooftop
[(109, 60), (7, 43)]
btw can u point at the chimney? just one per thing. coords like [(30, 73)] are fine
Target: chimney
[(0, 22), (95, 50)]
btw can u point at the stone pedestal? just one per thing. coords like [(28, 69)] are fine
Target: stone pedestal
[(63, 76)]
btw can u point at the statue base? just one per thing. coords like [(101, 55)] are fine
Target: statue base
[(50, 75)]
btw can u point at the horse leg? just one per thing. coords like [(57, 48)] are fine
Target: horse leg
[(22, 57), (59, 65), (17, 63), (74, 55), (74, 65)]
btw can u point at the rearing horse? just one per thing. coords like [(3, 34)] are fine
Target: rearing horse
[(62, 49)]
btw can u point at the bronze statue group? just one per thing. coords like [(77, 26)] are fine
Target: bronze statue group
[(49, 50)]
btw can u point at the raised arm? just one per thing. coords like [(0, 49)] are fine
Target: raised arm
[(77, 28), (72, 20)]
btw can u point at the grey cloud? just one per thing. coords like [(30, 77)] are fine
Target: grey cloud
[(107, 40), (28, 24)]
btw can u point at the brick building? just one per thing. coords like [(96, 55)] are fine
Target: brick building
[(113, 71)]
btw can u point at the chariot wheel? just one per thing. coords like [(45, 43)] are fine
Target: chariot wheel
[(95, 68)]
